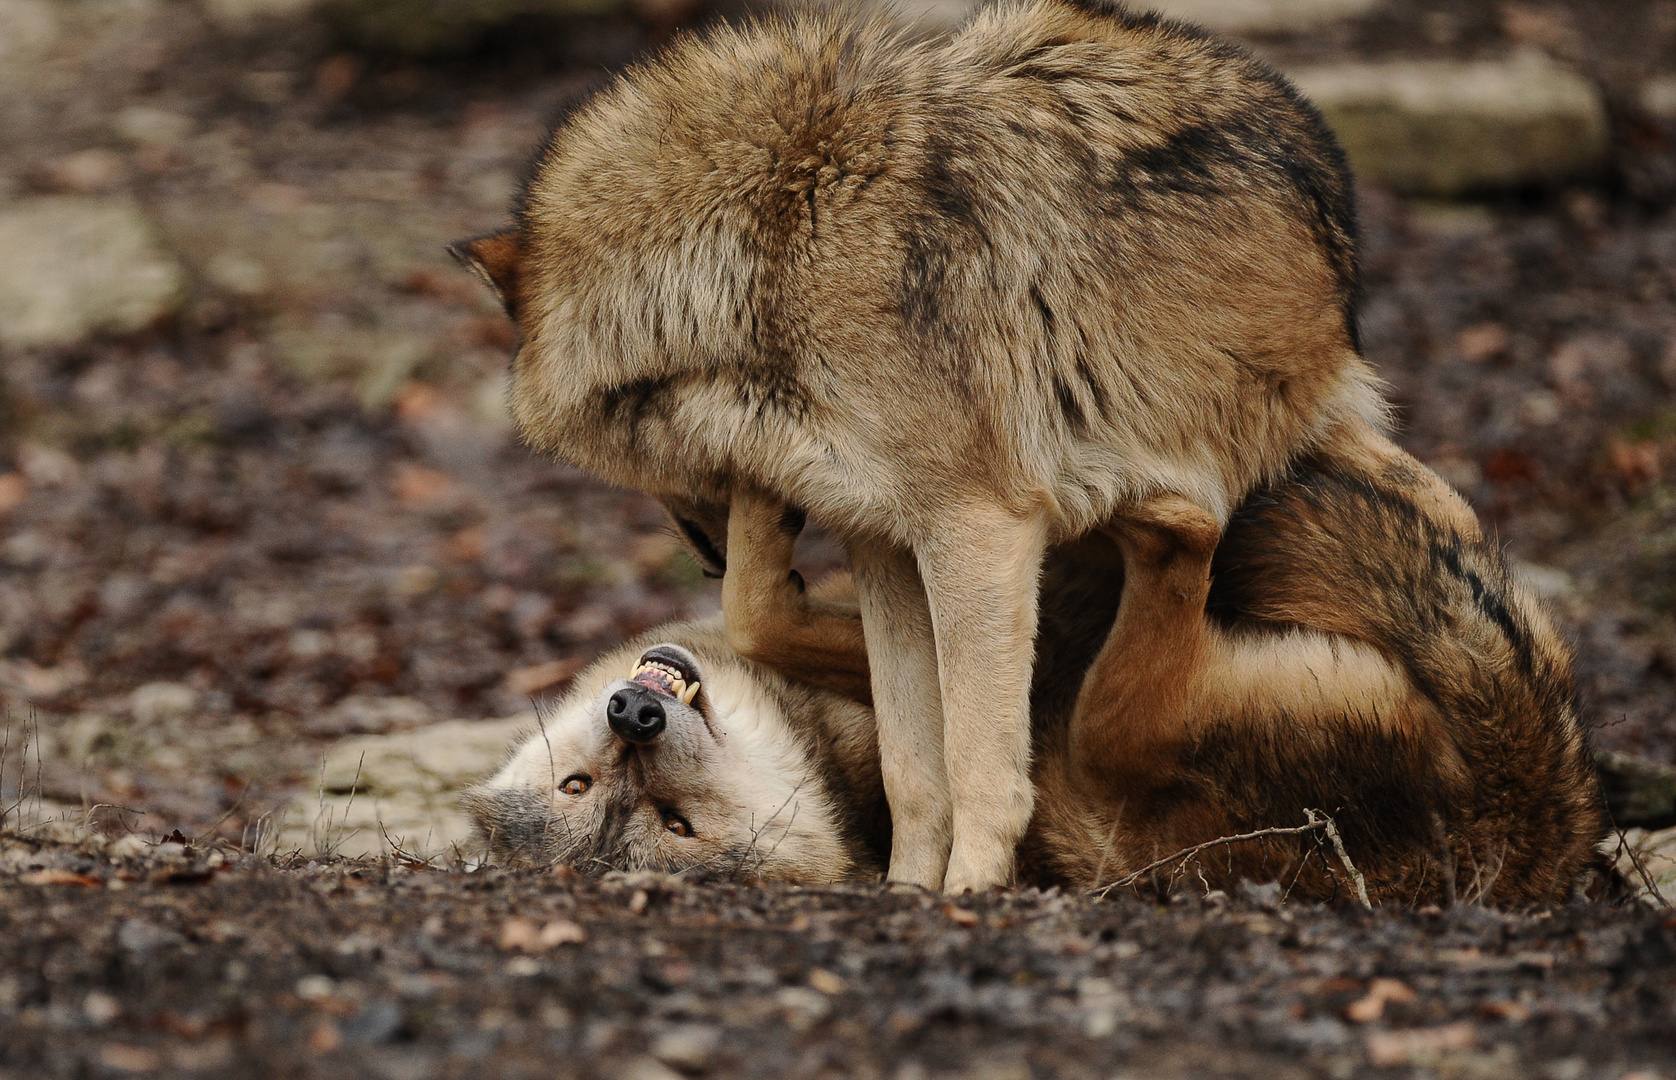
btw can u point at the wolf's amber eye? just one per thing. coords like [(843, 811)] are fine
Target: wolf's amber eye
[(576, 785), (676, 824)]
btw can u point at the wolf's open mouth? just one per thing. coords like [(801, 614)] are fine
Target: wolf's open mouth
[(666, 675)]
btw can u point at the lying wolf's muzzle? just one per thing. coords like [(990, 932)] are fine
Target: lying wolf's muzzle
[(635, 714)]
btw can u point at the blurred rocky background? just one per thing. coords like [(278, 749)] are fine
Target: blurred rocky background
[(258, 493)]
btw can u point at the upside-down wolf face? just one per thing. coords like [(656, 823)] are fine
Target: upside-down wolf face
[(676, 766)]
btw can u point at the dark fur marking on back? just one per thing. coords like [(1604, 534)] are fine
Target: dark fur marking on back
[(935, 240), (1200, 160)]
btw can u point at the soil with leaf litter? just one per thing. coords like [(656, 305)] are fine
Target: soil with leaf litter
[(185, 960), (292, 511)]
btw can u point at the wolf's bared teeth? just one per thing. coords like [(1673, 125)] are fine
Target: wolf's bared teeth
[(670, 681)]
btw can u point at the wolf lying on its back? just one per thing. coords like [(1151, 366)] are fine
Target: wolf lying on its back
[(1351, 645), (959, 300)]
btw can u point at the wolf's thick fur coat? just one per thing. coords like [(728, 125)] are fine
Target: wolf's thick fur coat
[(1352, 645), (960, 300)]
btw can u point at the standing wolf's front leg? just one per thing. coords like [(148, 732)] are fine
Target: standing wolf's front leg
[(981, 576), (902, 655)]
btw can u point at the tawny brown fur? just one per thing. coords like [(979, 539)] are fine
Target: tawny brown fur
[(960, 300), (1351, 645)]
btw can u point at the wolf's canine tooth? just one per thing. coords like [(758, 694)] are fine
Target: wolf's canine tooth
[(688, 693)]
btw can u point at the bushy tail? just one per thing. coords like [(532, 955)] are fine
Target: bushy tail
[(1390, 556)]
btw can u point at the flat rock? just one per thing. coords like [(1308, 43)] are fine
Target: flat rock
[(1658, 97), (1648, 861), (1261, 16), (434, 758), (368, 825), (27, 27), (73, 266), (376, 790), (1445, 128)]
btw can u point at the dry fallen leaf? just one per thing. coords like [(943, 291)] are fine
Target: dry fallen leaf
[(416, 485), (1511, 1011), (528, 681), (131, 1059), (561, 932), (324, 1038), (1389, 1049), (520, 933), (60, 877), (1482, 342), (524, 935), (1371, 1006), (961, 915), (13, 490)]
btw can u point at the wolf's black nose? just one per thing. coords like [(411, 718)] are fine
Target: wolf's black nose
[(635, 714)]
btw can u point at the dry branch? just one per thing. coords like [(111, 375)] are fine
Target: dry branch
[(1317, 822)]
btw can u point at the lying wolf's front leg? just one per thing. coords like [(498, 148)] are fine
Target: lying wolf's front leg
[(902, 654), (771, 617), (981, 575)]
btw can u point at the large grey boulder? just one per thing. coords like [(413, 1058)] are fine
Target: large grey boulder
[(1445, 128), (1260, 16), (70, 267), (1638, 793), (1223, 16), (27, 28)]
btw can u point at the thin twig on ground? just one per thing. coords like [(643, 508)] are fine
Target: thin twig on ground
[(1189, 852), (1318, 822), (1343, 856)]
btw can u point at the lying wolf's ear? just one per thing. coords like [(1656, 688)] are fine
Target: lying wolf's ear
[(499, 260)]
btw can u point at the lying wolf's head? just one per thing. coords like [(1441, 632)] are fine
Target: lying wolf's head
[(682, 757)]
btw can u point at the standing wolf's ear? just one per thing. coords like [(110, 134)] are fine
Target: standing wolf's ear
[(499, 260)]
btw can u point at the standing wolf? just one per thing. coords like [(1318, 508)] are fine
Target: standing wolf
[(1352, 644), (959, 301)]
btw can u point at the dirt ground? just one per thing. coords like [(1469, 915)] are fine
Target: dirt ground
[(227, 965), (293, 511)]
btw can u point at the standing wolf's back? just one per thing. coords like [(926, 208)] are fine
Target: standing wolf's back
[(1068, 256)]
